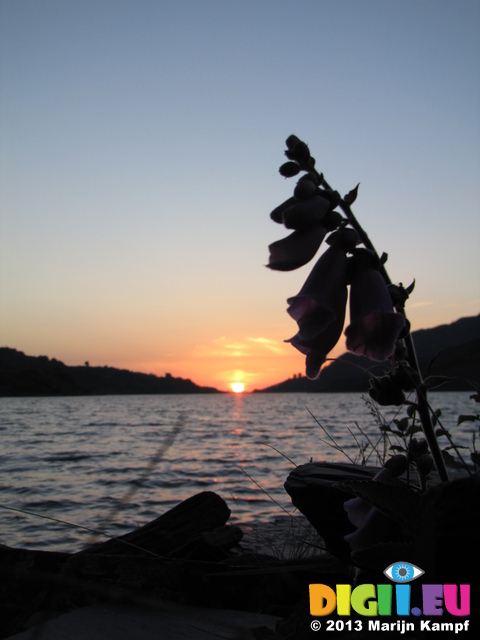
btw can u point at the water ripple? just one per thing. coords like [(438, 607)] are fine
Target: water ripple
[(79, 459)]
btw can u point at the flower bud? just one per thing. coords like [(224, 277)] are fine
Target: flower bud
[(304, 189), (412, 410), (332, 220), (289, 169), (399, 294), (276, 214), (397, 464), (406, 377), (299, 151), (332, 196), (346, 238), (424, 464), (313, 177), (292, 141), (418, 448)]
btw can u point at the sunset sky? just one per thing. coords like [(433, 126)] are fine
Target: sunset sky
[(140, 142)]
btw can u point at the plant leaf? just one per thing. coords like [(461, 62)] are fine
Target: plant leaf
[(410, 287), (351, 195)]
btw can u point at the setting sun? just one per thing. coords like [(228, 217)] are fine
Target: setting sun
[(237, 387)]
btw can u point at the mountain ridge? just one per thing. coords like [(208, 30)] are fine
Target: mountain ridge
[(452, 349), (23, 375)]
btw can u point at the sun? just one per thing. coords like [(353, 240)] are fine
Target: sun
[(237, 387)]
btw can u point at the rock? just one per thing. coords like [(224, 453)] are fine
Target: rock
[(312, 488)]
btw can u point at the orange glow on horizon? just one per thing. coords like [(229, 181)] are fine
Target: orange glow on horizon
[(259, 366), (237, 387)]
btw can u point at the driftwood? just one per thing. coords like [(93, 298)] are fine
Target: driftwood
[(157, 559), (314, 490), (184, 557), (178, 533)]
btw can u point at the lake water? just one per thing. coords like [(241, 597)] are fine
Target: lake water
[(111, 463)]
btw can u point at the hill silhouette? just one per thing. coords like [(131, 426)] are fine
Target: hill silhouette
[(452, 349), (22, 375)]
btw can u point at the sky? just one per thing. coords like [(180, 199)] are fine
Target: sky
[(140, 142)]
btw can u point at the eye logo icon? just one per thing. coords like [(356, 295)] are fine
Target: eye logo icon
[(403, 572)]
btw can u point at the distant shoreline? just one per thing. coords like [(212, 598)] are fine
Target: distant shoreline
[(39, 376), (451, 353)]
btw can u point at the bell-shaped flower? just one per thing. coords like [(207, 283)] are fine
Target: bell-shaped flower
[(373, 527), (296, 249), (374, 326), (316, 349), (319, 309)]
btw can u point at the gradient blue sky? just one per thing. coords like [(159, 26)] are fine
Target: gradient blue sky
[(140, 146)]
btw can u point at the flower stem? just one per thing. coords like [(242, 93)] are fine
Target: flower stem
[(421, 388)]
